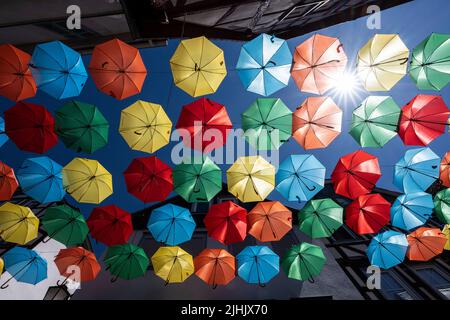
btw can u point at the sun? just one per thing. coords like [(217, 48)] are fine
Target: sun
[(347, 88)]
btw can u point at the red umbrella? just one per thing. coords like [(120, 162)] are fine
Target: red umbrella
[(423, 119), (8, 182), (226, 222), (207, 122), (110, 225), (31, 127), (149, 179), (78, 264), (355, 174), (368, 213)]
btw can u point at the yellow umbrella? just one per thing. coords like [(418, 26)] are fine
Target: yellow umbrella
[(145, 126), (172, 264), (17, 224), (87, 181), (2, 266), (198, 66), (446, 231), (251, 178), (382, 62)]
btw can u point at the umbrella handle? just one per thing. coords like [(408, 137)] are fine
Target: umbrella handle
[(214, 287), (139, 134), (338, 49), (298, 199), (46, 239), (272, 62), (405, 60), (311, 280), (166, 283), (60, 284), (5, 284), (114, 279), (262, 285)]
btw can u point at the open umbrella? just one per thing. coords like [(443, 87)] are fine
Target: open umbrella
[(387, 249), (320, 218), (303, 261), (257, 265), (77, 264), (8, 182), (425, 244), (446, 232), (3, 136), (444, 170), (269, 221), (442, 205), (126, 261), (18, 224), (368, 213), (411, 210), (215, 267), (172, 264), (2, 266)]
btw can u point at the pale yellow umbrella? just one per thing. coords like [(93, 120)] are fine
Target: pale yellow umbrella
[(18, 224), (446, 231), (172, 264)]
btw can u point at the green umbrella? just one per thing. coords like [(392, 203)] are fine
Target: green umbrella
[(81, 127), (197, 181), (267, 124), (430, 63), (375, 121), (65, 225), (126, 261), (320, 218), (442, 205), (303, 261)]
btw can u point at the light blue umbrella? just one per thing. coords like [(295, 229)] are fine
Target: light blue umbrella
[(41, 179), (411, 210), (3, 136), (300, 177), (171, 224), (417, 170), (58, 70), (257, 264), (387, 249), (264, 65)]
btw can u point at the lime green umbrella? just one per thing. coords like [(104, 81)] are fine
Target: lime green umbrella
[(126, 261), (442, 205), (320, 218), (430, 63), (375, 121), (81, 126), (198, 180), (65, 225), (267, 123), (303, 261)]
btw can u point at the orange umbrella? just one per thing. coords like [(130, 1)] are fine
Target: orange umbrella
[(215, 266), (77, 264), (269, 221), (425, 244), (444, 174), (8, 182), (316, 123)]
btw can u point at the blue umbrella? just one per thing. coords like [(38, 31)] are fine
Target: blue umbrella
[(387, 249), (411, 210), (258, 264), (24, 265), (3, 136), (300, 177), (417, 170), (41, 179), (171, 224), (264, 65), (58, 70)]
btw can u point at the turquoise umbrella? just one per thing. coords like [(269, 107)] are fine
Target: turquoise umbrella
[(3, 136), (387, 249), (257, 264), (411, 210)]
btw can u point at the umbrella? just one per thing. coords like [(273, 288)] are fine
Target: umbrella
[(145, 126), (444, 170), (126, 261), (382, 62), (198, 66), (387, 249), (77, 264), (257, 265), (355, 174), (269, 221), (149, 179), (87, 181), (375, 121), (446, 232), (425, 244), (81, 126), (8, 182), (41, 179), (300, 177), (58, 70), (197, 181), (251, 178), (18, 224), (320, 218), (16, 80), (171, 224), (30, 127), (303, 261), (267, 123), (3, 136), (110, 225), (226, 222), (318, 63), (264, 64), (430, 62), (207, 124), (117, 69), (215, 267), (172, 264), (2, 266), (442, 205), (417, 170), (411, 210), (24, 265)]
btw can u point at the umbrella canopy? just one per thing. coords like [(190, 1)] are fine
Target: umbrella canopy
[(425, 244), (3, 136), (264, 64), (58, 70), (303, 261), (198, 66), (375, 121), (267, 123), (257, 264), (117, 69), (368, 213), (18, 224), (444, 170), (387, 249), (172, 264), (382, 62), (126, 261), (16, 81), (145, 126), (269, 221), (355, 174), (8, 182), (30, 127), (318, 63), (442, 205), (411, 210), (87, 181), (85, 262), (446, 232), (251, 178), (2, 266), (226, 222), (149, 179), (320, 218), (215, 266)]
